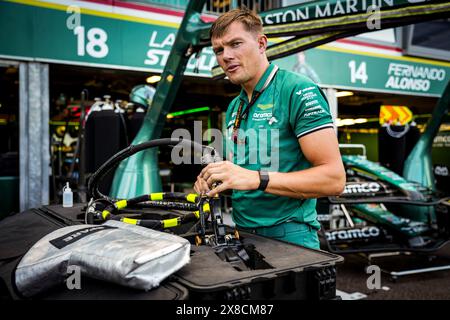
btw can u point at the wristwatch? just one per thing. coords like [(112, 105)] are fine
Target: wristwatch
[(263, 180)]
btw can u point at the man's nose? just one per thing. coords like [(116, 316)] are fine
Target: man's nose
[(227, 54)]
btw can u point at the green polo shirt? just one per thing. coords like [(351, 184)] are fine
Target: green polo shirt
[(290, 106)]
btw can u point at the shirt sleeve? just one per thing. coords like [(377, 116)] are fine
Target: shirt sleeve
[(309, 109)]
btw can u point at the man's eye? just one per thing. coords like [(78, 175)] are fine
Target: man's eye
[(218, 51), (236, 44)]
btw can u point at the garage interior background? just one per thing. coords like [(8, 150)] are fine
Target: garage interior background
[(41, 79)]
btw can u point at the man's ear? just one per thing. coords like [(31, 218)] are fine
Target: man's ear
[(262, 43)]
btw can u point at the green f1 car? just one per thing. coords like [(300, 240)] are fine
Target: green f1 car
[(383, 211)]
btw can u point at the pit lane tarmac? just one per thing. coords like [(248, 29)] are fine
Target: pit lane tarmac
[(353, 277)]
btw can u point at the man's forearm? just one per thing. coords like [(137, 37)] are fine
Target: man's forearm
[(319, 181)]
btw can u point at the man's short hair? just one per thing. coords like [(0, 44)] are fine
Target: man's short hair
[(250, 20)]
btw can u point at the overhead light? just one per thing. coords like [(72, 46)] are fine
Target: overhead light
[(189, 111), (153, 79), (361, 120), (341, 94), (344, 122), (350, 122)]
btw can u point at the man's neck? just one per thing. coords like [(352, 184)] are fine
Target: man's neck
[(251, 84)]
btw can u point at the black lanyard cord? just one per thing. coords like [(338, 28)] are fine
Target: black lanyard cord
[(241, 114)]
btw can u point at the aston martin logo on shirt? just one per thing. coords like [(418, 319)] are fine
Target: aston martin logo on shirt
[(264, 106)]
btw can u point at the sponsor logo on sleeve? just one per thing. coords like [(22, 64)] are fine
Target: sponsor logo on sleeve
[(310, 103), (300, 91), (309, 114), (308, 96), (313, 108)]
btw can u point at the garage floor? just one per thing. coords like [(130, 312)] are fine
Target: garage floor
[(352, 278)]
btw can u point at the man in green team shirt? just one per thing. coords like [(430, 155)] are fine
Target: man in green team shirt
[(281, 145)]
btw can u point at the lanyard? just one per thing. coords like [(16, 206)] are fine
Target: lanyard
[(241, 114)]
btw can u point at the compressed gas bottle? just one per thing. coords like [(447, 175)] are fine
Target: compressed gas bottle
[(104, 136)]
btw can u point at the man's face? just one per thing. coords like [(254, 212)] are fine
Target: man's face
[(239, 53)]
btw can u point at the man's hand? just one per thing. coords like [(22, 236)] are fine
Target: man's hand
[(200, 186), (228, 175)]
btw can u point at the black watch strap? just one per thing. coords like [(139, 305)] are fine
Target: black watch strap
[(263, 180)]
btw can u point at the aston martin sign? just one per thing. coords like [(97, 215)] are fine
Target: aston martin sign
[(327, 9)]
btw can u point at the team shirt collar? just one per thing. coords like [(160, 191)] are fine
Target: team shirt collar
[(265, 80)]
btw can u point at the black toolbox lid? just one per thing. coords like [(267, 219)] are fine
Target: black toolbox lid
[(93, 289), (207, 271)]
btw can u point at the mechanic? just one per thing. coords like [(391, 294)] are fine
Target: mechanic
[(274, 198)]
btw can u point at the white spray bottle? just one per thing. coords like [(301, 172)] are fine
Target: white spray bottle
[(67, 196)]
